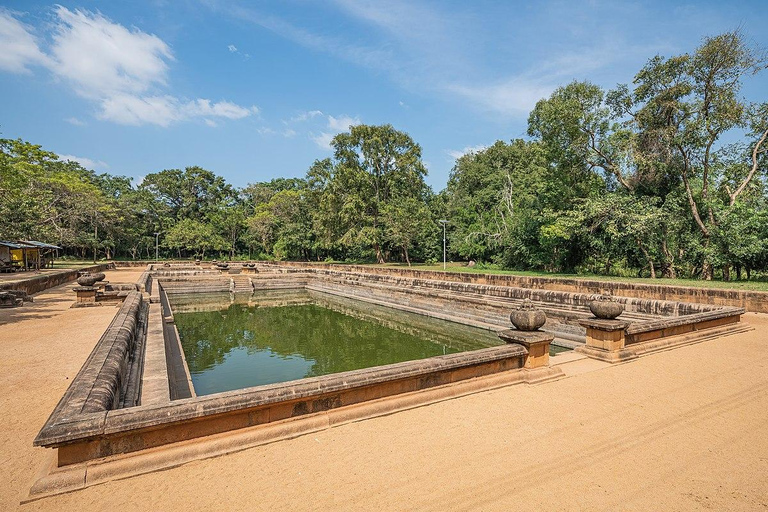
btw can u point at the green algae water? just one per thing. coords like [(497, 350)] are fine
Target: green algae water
[(232, 346)]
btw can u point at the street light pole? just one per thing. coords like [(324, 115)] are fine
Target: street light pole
[(157, 238), (443, 222)]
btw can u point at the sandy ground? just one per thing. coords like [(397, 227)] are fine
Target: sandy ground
[(685, 429)]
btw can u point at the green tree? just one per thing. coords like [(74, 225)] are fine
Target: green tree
[(680, 110), (373, 165)]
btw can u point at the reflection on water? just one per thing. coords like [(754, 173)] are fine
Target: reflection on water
[(230, 345)]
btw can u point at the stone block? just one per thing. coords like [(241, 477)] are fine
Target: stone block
[(536, 342), (605, 339)]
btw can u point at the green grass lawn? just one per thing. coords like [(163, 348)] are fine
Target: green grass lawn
[(725, 285)]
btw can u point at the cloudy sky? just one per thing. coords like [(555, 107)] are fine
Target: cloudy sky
[(254, 91)]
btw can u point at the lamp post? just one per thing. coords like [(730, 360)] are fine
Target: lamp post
[(157, 238), (443, 222)]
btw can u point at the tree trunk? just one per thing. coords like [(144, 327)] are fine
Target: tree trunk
[(670, 272), (405, 252), (669, 261), (648, 258), (726, 272), (738, 272), (379, 255)]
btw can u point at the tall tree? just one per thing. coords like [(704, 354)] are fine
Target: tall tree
[(680, 110), (373, 163)]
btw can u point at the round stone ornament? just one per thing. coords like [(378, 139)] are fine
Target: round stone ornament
[(606, 307), (86, 280), (527, 317)]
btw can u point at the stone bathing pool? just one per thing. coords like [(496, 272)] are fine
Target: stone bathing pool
[(289, 334), (173, 378)]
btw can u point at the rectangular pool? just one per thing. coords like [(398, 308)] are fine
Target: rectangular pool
[(282, 336)]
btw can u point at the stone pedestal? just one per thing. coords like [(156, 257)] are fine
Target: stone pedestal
[(536, 342), (605, 340), (86, 296)]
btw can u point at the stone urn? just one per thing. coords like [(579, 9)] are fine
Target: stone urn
[(86, 280), (99, 276), (527, 317), (606, 307), (197, 262)]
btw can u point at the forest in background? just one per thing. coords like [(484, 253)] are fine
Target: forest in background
[(662, 177)]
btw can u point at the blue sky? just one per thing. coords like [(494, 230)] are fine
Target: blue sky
[(255, 90)]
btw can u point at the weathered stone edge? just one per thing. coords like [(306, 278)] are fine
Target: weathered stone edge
[(179, 411), (95, 383), (654, 325)]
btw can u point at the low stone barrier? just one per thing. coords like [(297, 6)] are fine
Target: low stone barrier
[(106, 381), (38, 283)]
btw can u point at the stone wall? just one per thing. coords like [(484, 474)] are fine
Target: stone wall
[(755, 301), (33, 283), (109, 379)]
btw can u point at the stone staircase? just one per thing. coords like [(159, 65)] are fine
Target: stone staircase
[(239, 283)]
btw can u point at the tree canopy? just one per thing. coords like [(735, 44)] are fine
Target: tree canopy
[(663, 176)]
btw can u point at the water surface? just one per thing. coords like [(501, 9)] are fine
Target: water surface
[(233, 346)]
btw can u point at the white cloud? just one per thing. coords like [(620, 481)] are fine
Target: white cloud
[(265, 130), (233, 49), (85, 162), (165, 110), (19, 47), (124, 72), (305, 116), (75, 121), (101, 57), (226, 109), (137, 110), (456, 154), (335, 125), (513, 98), (342, 123), (323, 140)]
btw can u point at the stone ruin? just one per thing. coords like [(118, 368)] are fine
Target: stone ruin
[(13, 298), (93, 290)]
